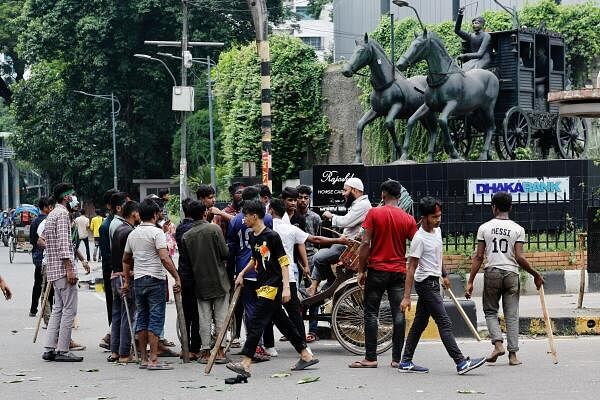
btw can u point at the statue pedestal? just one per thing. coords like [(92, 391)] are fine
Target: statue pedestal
[(547, 194)]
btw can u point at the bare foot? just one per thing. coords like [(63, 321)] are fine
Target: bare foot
[(512, 359), (495, 354)]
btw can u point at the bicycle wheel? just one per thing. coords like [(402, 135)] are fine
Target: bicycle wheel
[(347, 320)]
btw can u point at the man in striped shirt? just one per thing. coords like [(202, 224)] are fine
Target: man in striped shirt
[(62, 274)]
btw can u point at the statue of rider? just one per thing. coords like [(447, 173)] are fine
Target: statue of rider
[(479, 43)]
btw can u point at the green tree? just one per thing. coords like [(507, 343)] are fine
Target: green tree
[(89, 46), (300, 131)]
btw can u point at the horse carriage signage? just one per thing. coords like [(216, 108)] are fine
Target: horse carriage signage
[(329, 182), (524, 190)]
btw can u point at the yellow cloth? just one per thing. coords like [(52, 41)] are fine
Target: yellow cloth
[(95, 225), (268, 292)]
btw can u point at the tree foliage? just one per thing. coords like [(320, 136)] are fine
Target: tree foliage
[(579, 25), (300, 131), (89, 46)]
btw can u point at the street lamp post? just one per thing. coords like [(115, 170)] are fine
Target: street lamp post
[(114, 114), (209, 64)]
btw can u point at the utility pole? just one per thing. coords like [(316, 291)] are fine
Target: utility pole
[(186, 63), (213, 178), (258, 8)]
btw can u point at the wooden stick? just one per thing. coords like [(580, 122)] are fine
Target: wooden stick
[(44, 301), (185, 350), (135, 352), (339, 234), (464, 315), (548, 325), (221, 336), (581, 288)]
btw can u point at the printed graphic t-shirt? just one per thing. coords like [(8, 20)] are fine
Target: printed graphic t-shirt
[(500, 236), (270, 258)]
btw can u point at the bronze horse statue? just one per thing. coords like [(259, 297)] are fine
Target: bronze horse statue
[(451, 91), (393, 96)]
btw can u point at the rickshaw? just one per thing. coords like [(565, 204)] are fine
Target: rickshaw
[(19, 233)]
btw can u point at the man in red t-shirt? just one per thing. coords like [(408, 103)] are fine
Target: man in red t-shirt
[(383, 249)]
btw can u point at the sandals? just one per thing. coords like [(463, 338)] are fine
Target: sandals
[(301, 364), (361, 364), (167, 343), (238, 368), (111, 359), (237, 379), (311, 337), (159, 367)]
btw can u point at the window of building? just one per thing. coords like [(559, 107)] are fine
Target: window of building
[(303, 13), (315, 42)]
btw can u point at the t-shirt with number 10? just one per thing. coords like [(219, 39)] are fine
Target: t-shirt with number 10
[(500, 236)]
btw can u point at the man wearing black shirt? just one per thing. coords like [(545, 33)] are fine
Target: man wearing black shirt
[(120, 338), (188, 295), (45, 204), (271, 264)]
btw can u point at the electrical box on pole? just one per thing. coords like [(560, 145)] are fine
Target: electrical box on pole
[(183, 98)]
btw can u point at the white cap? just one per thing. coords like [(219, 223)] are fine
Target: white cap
[(355, 183)]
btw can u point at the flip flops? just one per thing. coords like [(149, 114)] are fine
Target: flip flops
[(361, 364), (301, 364), (237, 379), (238, 368), (159, 367), (311, 337)]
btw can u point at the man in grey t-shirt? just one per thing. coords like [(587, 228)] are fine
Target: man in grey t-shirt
[(501, 241), (146, 252)]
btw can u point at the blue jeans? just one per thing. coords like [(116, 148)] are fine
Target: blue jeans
[(376, 284), (151, 302), (322, 262), (120, 336)]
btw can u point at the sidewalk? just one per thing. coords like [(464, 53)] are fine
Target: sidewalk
[(562, 308)]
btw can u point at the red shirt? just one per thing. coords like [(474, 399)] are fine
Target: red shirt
[(390, 228)]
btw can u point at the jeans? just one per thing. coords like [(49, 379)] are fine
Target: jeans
[(323, 260), (190, 313), (37, 288), (206, 309), (120, 335), (500, 283), (63, 315), (265, 311), (378, 282), (150, 302), (430, 303), (96, 249), (86, 242)]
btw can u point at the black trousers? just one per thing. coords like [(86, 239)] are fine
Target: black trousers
[(266, 311), (86, 242), (190, 313), (106, 272), (37, 288), (294, 313), (430, 303)]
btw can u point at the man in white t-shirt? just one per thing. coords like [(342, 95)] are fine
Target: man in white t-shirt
[(292, 236), (83, 223), (501, 241), (425, 269), (146, 253)]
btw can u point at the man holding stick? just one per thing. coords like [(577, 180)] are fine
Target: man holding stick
[(425, 269), (501, 241)]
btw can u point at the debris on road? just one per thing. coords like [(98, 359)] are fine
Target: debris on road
[(469, 391), (281, 375), (308, 379)]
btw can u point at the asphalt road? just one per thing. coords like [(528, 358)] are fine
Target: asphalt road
[(577, 376)]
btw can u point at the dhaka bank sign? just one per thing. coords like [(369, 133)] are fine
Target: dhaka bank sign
[(524, 190)]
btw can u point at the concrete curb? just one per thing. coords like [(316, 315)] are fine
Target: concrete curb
[(556, 282), (561, 326)]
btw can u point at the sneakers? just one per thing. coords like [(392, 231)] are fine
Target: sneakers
[(409, 366), (467, 364), (271, 351), (67, 357)]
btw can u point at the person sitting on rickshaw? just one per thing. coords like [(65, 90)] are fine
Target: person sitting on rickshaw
[(6, 219)]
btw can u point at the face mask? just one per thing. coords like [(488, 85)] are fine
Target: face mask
[(74, 202)]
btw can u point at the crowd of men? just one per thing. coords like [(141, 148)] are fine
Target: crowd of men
[(268, 247)]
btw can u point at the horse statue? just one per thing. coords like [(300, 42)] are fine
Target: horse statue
[(450, 90), (393, 96)]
